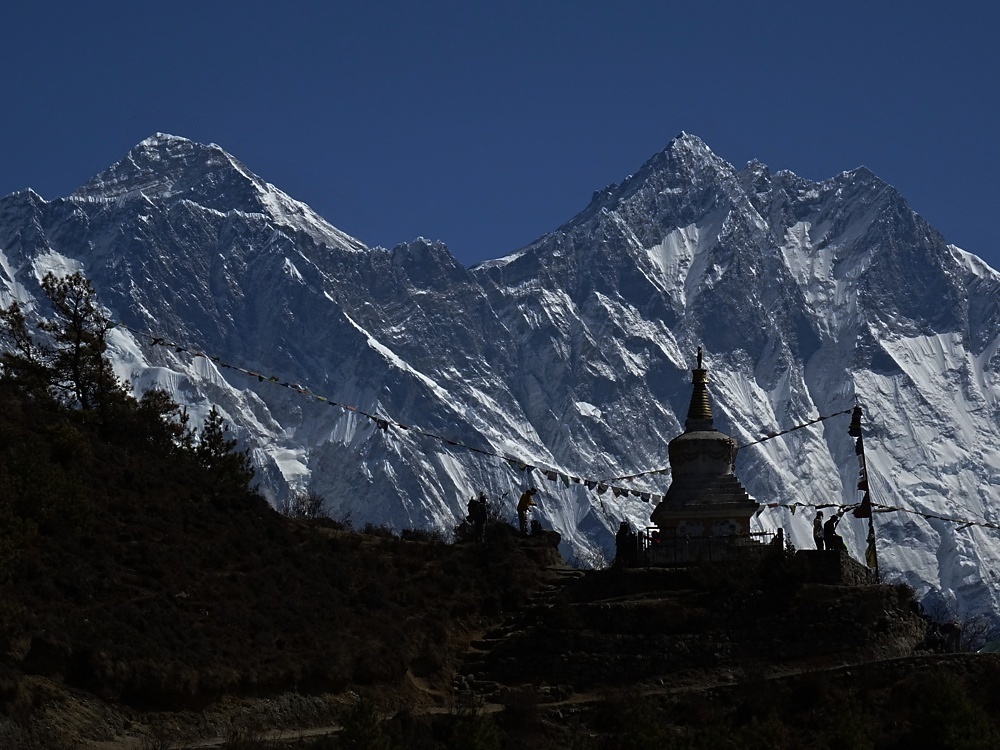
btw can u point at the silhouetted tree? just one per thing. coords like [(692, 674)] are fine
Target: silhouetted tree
[(81, 373), (163, 422), (68, 363), (25, 361), (217, 452)]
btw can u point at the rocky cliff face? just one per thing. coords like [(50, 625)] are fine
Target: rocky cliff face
[(571, 354)]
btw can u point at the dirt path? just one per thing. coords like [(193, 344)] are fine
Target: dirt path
[(288, 735)]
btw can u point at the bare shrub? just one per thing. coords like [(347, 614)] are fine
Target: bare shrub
[(977, 631), (309, 504)]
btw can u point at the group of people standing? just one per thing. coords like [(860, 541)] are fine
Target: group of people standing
[(825, 533), (479, 512)]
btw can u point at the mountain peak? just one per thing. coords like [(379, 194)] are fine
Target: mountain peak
[(688, 148), (683, 175), (687, 153), (687, 142), (161, 139), (168, 169), (173, 168)]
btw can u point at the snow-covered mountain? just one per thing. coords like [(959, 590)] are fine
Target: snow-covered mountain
[(571, 354)]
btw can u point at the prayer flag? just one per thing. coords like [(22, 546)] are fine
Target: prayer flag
[(871, 557)]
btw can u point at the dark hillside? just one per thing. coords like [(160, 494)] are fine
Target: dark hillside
[(151, 600), (142, 576)]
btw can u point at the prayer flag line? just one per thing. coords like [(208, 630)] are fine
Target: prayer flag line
[(599, 486)]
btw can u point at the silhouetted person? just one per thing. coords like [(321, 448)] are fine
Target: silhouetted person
[(477, 516), (830, 537), (625, 545), (525, 504), (818, 530)]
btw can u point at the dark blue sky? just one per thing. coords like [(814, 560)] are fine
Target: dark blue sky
[(487, 124)]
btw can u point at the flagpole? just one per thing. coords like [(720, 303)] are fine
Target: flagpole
[(865, 509)]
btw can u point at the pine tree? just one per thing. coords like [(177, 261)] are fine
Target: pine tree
[(25, 361), (67, 367), (217, 452), (163, 422), (82, 375)]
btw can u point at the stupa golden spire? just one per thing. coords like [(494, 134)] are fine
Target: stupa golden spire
[(700, 411)]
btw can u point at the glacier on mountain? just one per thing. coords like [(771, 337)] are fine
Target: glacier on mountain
[(570, 355)]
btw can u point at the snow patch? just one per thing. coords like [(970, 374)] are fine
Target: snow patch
[(290, 269), (57, 264), (682, 257)]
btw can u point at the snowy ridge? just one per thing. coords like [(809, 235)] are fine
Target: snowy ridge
[(572, 354), (163, 168)]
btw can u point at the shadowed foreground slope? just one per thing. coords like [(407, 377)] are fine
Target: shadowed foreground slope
[(150, 601), (141, 577)]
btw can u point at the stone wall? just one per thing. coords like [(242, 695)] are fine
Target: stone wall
[(835, 567)]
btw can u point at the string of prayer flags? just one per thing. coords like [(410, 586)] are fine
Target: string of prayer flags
[(863, 510), (630, 477), (772, 435), (964, 523)]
